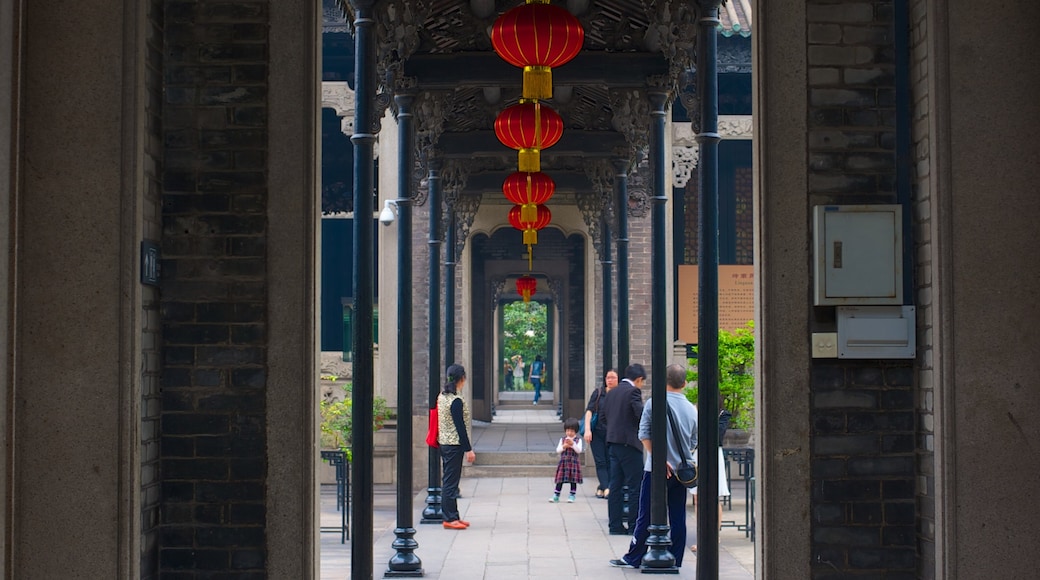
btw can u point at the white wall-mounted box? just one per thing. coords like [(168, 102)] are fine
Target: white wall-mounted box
[(858, 251), (877, 332)]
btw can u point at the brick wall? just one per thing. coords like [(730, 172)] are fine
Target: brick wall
[(214, 289), (639, 291), (151, 338), (863, 421), (925, 310)]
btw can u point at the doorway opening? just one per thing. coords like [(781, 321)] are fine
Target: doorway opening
[(525, 339)]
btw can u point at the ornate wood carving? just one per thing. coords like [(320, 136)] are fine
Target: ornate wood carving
[(631, 116)]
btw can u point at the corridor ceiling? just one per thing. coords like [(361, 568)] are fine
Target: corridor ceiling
[(442, 50)]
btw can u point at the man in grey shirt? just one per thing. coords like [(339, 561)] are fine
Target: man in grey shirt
[(685, 416)]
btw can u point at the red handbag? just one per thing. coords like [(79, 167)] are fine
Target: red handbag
[(433, 430)]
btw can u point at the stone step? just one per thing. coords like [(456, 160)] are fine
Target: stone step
[(480, 470), (548, 471), (547, 458), (521, 464)]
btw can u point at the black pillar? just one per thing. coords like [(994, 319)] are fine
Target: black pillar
[(449, 288), (708, 307), (364, 290), (432, 514), (404, 562), (658, 560), (621, 193), (608, 306)]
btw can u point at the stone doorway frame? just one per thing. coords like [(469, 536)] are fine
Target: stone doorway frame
[(781, 223)]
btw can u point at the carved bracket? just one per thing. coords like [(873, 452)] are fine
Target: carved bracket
[(631, 116), (672, 31), (556, 290), (498, 285), (684, 162), (639, 190)]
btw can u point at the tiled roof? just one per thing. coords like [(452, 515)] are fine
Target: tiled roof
[(735, 18)]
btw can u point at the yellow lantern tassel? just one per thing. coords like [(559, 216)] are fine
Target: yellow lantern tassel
[(529, 213), (527, 296), (530, 160), (530, 237), (537, 82), (530, 257)]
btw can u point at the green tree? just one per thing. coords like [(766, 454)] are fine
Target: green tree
[(524, 326), (736, 375)]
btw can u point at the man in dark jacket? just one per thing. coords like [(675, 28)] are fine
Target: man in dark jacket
[(622, 407)]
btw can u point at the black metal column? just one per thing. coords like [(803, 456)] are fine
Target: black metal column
[(658, 560), (449, 288), (404, 562), (621, 193), (432, 514), (364, 290), (608, 299), (708, 308)]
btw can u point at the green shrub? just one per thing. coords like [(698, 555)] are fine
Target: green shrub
[(337, 422), (736, 375)]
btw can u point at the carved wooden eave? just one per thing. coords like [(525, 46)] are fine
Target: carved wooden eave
[(443, 47)]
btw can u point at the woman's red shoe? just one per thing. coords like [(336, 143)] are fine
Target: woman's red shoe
[(455, 525)]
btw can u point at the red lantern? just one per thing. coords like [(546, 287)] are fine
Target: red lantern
[(530, 228), (526, 286), (529, 127), (528, 190), (536, 37)]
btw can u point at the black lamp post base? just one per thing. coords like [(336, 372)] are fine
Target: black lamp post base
[(658, 560), (432, 514)]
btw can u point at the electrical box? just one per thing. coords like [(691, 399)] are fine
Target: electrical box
[(858, 254), (877, 332)]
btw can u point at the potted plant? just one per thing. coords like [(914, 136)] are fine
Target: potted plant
[(736, 376)]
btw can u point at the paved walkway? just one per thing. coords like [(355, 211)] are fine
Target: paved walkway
[(516, 532)]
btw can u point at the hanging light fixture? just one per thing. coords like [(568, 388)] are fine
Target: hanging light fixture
[(528, 190), (529, 127), (530, 228), (526, 286), (536, 37)]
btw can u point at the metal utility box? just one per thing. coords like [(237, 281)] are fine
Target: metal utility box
[(858, 252), (877, 332)]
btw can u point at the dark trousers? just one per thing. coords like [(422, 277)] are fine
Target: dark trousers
[(537, 388), (626, 468), (451, 459), (599, 454), (676, 521)]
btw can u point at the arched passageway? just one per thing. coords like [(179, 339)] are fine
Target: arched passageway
[(190, 440)]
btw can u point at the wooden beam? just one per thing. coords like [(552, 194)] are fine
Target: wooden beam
[(486, 69)]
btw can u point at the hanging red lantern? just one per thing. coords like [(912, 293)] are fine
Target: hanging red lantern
[(529, 127), (526, 286), (530, 228), (536, 37), (528, 190)]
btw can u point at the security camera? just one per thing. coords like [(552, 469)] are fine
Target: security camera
[(386, 217)]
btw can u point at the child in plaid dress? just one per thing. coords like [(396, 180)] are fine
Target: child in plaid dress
[(569, 468)]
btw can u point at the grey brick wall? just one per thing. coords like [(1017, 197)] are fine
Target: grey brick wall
[(864, 425), (925, 309), (863, 453), (640, 288), (214, 289), (151, 338)]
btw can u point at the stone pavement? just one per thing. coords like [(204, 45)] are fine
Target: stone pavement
[(516, 532)]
